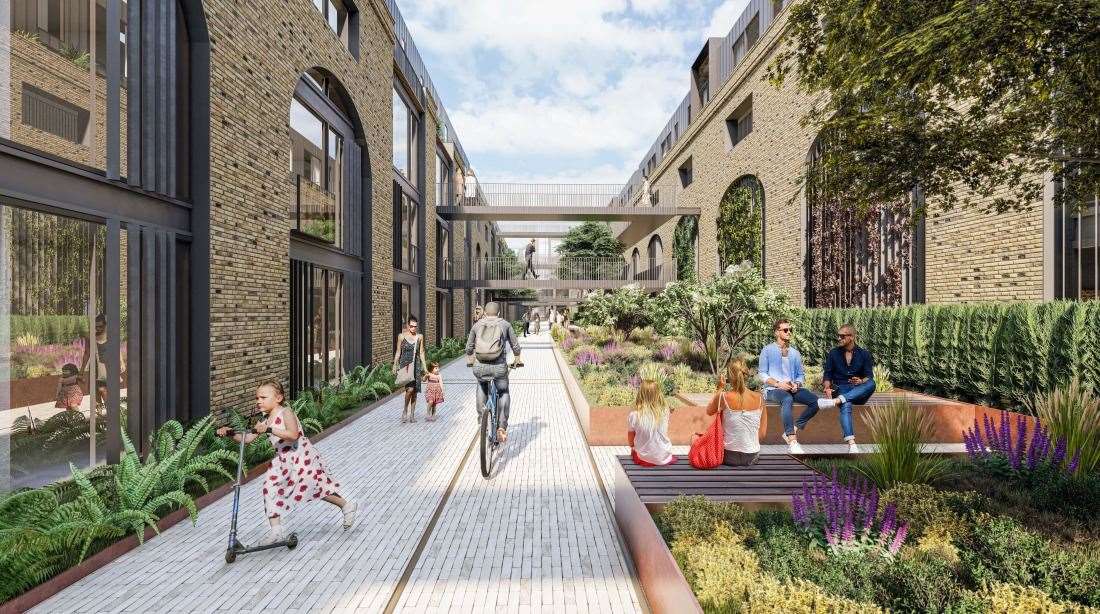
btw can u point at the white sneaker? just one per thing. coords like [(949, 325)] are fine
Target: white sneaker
[(852, 447), (274, 535), (792, 444), (826, 403), (349, 514)]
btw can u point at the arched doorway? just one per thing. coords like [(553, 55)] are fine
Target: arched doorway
[(635, 262), (329, 215), (740, 224), (656, 253)]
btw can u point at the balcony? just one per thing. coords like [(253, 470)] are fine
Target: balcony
[(505, 273)]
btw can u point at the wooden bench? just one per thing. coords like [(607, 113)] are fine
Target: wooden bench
[(773, 479)]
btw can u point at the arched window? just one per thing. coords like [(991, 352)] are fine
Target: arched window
[(328, 308), (741, 224), (856, 259), (634, 262), (656, 252)]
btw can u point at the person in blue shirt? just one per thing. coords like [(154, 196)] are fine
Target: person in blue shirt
[(781, 371), (849, 370)]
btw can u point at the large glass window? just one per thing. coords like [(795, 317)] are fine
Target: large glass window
[(444, 267), (1076, 228), (404, 137), (317, 344), (336, 16), (402, 306), (52, 343), (407, 221), (443, 182), (317, 164)]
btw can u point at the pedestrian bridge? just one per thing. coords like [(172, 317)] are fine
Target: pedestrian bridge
[(510, 273), (633, 219)]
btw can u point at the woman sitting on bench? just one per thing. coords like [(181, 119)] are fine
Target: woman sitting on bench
[(647, 425), (744, 420)]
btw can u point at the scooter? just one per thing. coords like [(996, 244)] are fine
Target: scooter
[(236, 547)]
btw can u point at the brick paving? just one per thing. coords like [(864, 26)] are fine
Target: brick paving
[(537, 537)]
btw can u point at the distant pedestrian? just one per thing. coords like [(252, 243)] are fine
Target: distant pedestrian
[(529, 257), (527, 317), (647, 425), (434, 393), (479, 311), (297, 473)]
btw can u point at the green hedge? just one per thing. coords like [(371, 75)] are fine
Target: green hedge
[(996, 354), (50, 329)]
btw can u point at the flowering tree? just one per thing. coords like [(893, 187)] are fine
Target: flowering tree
[(722, 312)]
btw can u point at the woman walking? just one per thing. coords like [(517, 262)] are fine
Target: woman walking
[(744, 421), (408, 365)]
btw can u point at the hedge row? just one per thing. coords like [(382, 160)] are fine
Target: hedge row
[(996, 354), (49, 329)]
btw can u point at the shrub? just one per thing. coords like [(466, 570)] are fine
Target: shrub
[(899, 432), (1073, 415), (917, 584), (814, 376), (726, 577), (557, 333), (1007, 598), (695, 517), (644, 335), (998, 549), (612, 396), (928, 509), (882, 379)]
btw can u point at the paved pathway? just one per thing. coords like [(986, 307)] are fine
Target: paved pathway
[(537, 537)]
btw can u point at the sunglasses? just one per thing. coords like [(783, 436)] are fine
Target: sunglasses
[(843, 335)]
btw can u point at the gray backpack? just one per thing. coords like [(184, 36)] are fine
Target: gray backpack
[(488, 342)]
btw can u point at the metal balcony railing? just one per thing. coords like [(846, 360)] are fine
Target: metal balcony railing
[(542, 195), (567, 269)]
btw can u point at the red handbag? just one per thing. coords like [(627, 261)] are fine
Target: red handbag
[(708, 449)]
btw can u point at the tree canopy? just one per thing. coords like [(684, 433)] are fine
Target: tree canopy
[(983, 94), (590, 239)]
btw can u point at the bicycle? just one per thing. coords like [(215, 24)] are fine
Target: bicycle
[(490, 422)]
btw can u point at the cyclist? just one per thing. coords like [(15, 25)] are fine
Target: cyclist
[(486, 343)]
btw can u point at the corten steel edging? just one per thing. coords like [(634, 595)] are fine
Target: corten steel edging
[(584, 411), (664, 584), (72, 575)]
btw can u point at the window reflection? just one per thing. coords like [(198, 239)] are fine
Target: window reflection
[(316, 163), (404, 137), (52, 291)]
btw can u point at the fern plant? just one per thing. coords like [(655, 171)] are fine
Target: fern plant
[(179, 450)]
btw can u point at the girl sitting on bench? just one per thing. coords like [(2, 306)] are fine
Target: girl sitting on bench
[(647, 425)]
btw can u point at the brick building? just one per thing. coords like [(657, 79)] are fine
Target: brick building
[(734, 129), (242, 191)]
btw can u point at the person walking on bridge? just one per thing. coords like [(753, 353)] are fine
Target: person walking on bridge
[(529, 257)]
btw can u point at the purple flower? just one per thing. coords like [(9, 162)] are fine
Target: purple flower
[(889, 523), (667, 351), (899, 538), (635, 381), (1059, 452), (1072, 467)]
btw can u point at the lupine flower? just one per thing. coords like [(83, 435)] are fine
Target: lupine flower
[(899, 538), (667, 351), (1071, 468), (1026, 453), (844, 515), (588, 357)]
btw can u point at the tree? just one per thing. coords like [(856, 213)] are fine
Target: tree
[(984, 95), (724, 311), (592, 240), (511, 268)]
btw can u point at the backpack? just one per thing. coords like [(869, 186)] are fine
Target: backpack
[(488, 342)]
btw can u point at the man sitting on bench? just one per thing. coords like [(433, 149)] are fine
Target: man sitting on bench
[(850, 369), (781, 371)]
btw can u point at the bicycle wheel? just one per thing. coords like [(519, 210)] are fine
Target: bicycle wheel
[(486, 435)]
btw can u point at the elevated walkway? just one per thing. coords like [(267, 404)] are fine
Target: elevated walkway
[(509, 273), (517, 202)]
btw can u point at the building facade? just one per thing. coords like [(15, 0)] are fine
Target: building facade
[(232, 192), (736, 139)]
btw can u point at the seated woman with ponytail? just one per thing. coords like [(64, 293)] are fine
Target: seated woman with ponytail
[(647, 425), (744, 420)]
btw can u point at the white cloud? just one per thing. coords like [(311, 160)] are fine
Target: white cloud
[(584, 85), (724, 16)]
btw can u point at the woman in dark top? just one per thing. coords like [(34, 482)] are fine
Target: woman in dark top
[(849, 370), (410, 350)]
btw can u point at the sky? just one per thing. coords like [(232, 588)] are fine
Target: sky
[(564, 91)]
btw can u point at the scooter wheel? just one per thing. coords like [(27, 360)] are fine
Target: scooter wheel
[(230, 556), (292, 541)]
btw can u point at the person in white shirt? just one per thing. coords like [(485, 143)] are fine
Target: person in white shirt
[(647, 425), (744, 421)]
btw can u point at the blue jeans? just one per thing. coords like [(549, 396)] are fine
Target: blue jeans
[(854, 394), (786, 404)]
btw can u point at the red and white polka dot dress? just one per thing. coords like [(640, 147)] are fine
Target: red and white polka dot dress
[(297, 473)]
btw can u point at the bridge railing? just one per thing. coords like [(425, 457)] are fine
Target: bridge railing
[(542, 195), (498, 268)]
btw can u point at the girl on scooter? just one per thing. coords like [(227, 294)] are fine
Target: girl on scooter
[(297, 473)]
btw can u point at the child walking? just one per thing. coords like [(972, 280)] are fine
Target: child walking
[(434, 393), (69, 394), (647, 425), (297, 472)]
